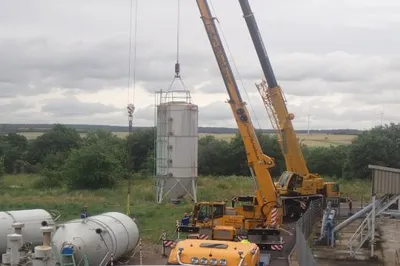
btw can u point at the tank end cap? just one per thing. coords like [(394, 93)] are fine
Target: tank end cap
[(99, 231), (18, 225), (47, 229)]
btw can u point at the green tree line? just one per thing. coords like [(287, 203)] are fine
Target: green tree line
[(61, 156)]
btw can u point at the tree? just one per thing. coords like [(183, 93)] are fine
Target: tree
[(59, 139), (214, 157), (12, 149), (139, 145), (92, 167), (114, 144), (379, 146), (2, 170)]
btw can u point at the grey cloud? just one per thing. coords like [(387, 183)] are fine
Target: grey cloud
[(14, 106), (47, 45), (84, 66), (72, 107), (310, 74)]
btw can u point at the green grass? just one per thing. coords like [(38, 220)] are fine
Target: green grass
[(16, 192), (312, 140)]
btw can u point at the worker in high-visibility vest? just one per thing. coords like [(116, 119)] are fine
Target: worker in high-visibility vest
[(245, 241)]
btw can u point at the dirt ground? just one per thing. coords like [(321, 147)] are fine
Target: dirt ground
[(151, 255)]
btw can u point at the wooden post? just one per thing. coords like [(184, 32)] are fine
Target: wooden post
[(163, 237), (140, 252)]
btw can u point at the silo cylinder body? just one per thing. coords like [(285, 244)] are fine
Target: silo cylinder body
[(99, 236), (32, 220)]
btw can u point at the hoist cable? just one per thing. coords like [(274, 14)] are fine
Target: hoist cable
[(177, 64), (130, 51), (130, 67), (134, 51), (178, 24)]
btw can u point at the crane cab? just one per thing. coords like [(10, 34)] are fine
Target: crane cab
[(213, 219), (331, 190)]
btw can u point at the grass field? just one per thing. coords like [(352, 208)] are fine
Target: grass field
[(16, 192), (310, 140)]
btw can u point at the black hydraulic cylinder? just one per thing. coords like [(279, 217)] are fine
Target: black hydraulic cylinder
[(258, 43)]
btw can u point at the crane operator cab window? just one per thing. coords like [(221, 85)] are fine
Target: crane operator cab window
[(284, 178), (207, 212), (295, 182)]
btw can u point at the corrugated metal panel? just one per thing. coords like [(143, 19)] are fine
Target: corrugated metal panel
[(385, 180)]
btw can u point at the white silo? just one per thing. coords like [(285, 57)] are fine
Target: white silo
[(176, 146)]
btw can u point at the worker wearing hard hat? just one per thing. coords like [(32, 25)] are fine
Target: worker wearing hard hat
[(84, 213)]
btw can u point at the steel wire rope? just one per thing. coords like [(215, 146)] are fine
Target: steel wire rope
[(178, 33), (132, 80)]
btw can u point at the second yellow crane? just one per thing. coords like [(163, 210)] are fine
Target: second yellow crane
[(296, 185)]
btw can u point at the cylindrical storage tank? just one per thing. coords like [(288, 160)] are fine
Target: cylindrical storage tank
[(32, 220), (98, 237), (176, 150)]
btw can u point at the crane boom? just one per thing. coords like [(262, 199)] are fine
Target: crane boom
[(296, 186), (258, 162), (290, 146)]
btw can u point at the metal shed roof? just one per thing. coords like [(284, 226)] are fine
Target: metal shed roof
[(385, 180)]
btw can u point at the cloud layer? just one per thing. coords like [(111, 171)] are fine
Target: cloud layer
[(68, 63)]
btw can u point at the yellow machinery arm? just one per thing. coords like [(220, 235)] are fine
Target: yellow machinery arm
[(275, 102), (257, 160), (297, 181)]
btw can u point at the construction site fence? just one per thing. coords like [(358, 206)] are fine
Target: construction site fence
[(304, 227)]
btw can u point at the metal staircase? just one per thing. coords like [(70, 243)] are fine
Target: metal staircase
[(365, 231), (67, 257)]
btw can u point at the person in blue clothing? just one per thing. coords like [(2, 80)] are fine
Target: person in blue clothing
[(185, 220), (84, 213)]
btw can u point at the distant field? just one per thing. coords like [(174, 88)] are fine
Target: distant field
[(310, 140)]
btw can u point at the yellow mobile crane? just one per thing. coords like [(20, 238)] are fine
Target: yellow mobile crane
[(296, 185), (260, 217)]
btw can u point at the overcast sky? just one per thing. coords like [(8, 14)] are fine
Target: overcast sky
[(67, 61)]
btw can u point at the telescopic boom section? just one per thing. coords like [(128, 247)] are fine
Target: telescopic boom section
[(257, 160), (290, 146)]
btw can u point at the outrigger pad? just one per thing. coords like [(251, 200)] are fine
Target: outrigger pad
[(189, 229), (263, 231)]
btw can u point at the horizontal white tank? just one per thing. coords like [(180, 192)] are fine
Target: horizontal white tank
[(98, 237), (177, 149), (32, 220)]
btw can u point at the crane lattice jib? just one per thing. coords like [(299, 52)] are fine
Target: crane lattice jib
[(257, 160)]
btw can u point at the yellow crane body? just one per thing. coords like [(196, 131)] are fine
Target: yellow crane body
[(257, 217), (296, 186)]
